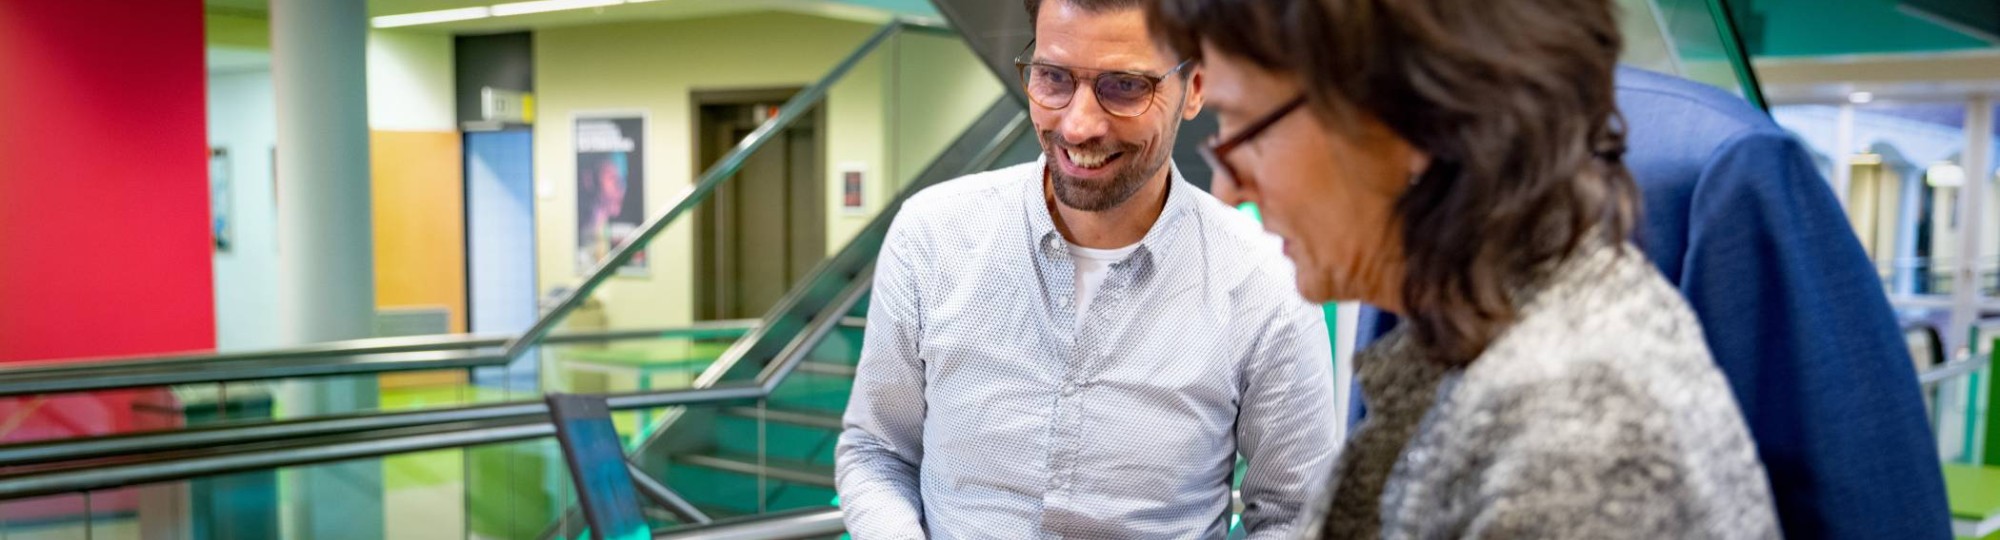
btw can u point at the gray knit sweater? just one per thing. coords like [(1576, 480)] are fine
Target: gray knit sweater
[(1599, 414)]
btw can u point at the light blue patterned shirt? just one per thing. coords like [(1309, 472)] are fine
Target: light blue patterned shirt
[(985, 407)]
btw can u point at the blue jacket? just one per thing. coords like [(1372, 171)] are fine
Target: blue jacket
[(1738, 218)]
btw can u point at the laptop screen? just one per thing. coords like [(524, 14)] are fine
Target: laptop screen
[(597, 466)]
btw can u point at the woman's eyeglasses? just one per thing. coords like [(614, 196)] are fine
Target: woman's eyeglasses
[(1123, 94), (1218, 148)]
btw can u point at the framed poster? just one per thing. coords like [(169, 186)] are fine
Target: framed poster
[(854, 188), (221, 218), (610, 188)]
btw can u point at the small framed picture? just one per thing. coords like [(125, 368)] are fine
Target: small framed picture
[(854, 188), (221, 218)]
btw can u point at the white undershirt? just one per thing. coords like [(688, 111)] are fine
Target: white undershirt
[(1092, 266)]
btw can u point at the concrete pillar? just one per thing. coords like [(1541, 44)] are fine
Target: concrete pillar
[(325, 247)]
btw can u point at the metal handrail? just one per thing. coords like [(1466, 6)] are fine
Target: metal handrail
[(1965, 364), (77, 479), (811, 310), (403, 433), (34, 453), (416, 430), (420, 430), (357, 357), (357, 347), (665, 497), (17, 384), (723, 170), (65, 366), (788, 525)]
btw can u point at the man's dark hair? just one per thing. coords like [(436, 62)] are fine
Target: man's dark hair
[(1513, 102), (1089, 6)]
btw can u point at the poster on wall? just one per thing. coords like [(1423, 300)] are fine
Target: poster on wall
[(610, 188), (221, 221)]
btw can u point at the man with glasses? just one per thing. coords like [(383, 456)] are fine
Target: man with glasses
[(1082, 346)]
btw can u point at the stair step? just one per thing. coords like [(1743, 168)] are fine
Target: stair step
[(728, 493), (797, 418), (825, 368), (739, 433), (826, 394), (842, 346), (801, 473)]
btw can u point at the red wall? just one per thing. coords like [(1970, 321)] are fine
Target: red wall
[(104, 245)]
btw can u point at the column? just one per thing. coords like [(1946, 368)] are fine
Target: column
[(325, 253), (1965, 297)]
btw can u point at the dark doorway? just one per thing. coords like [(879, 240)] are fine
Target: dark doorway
[(761, 231)]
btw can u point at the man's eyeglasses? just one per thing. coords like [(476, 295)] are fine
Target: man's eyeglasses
[(1123, 94), (1218, 148)]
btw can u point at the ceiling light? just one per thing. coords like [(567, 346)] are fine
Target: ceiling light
[(541, 6), (1860, 97), (431, 17)]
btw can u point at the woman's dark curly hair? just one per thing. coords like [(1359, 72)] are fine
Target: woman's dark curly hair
[(1511, 99)]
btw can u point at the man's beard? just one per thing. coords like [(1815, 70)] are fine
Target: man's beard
[(1133, 172)]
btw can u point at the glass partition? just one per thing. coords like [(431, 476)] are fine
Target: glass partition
[(780, 212), (1694, 39)]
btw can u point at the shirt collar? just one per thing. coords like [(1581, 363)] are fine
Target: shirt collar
[(1042, 226)]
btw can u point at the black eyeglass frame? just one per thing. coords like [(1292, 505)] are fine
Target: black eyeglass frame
[(1022, 62), (1217, 148)]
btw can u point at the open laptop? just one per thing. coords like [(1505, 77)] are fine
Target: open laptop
[(597, 466)]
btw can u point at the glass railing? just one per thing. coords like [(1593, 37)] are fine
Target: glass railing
[(1693, 39), (774, 455), (865, 134), (756, 223), (775, 217), (777, 454), (886, 112), (514, 488), (95, 400), (905, 132)]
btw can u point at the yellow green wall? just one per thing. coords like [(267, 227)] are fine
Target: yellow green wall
[(940, 90), (236, 30), (653, 67)]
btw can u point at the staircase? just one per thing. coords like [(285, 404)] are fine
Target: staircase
[(777, 456)]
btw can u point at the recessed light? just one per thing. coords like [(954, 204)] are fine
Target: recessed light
[(543, 6), (1945, 174), (431, 17)]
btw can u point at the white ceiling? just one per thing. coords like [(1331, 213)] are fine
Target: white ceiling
[(1918, 77)]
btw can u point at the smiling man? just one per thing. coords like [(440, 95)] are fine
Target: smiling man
[(1082, 346)]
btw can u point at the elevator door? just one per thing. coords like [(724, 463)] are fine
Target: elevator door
[(764, 229)]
